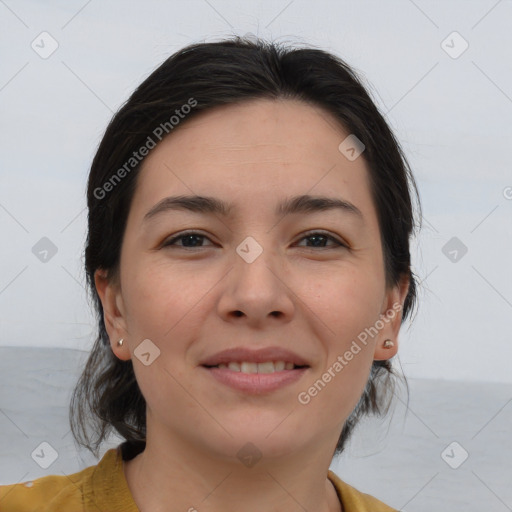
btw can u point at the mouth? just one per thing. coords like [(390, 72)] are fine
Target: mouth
[(255, 372), (250, 368), (252, 378)]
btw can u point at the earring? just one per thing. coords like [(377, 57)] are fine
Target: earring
[(388, 344), (120, 342)]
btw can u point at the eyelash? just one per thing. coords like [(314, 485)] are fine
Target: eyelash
[(171, 241)]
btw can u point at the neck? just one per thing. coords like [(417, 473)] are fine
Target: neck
[(189, 481)]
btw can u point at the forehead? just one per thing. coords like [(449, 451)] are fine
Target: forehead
[(255, 149), (288, 129)]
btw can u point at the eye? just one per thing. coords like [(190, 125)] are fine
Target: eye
[(190, 239), (193, 239), (318, 238)]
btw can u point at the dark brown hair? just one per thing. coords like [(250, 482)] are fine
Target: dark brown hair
[(107, 397)]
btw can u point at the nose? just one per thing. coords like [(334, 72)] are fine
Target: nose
[(257, 292)]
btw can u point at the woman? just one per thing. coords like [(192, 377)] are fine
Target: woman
[(248, 255)]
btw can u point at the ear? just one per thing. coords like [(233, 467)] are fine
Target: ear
[(391, 317), (113, 313)]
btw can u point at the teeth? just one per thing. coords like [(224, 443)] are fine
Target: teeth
[(266, 367), (280, 366), (249, 367)]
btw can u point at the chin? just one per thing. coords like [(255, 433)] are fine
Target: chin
[(259, 440)]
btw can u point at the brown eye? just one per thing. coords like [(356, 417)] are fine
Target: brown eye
[(192, 240), (189, 240), (319, 239)]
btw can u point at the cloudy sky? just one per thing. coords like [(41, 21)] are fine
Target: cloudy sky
[(440, 72)]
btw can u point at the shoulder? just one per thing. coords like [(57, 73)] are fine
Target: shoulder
[(54, 492), (356, 501)]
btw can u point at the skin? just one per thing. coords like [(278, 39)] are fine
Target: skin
[(194, 300)]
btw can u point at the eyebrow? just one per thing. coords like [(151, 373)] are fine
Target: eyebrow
[(211, 205)]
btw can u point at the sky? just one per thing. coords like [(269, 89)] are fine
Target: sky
[(440, 72)]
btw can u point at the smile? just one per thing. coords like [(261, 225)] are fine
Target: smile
[(256, 378), (265, 367)]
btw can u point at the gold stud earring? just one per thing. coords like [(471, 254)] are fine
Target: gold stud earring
[(388, 344), (120, 342)]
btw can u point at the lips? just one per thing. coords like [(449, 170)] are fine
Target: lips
[(256, 372), (264, 355)]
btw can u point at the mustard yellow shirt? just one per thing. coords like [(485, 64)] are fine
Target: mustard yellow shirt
[(103, 488)]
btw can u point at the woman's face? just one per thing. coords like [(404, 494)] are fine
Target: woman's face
[(252, 278)]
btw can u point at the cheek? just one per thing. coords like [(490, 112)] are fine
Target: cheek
[(159, 298), (334, 390), (346, 302), (339, 387)]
